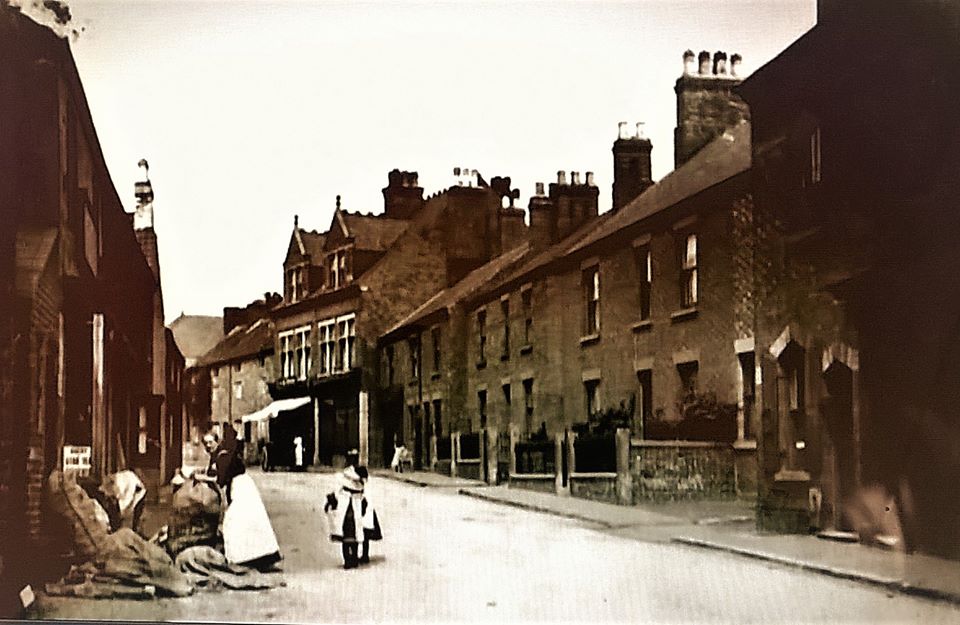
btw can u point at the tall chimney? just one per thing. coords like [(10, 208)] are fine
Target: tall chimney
[(402, 197), (631, 168)]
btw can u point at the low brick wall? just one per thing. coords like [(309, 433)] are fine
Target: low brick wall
[(442, 467), (538, 484), (595, 488), (678, 470)]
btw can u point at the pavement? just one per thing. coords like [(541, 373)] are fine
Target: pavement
[(724, 526)]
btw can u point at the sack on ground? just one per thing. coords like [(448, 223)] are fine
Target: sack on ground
[(194, 516), (86, 519)]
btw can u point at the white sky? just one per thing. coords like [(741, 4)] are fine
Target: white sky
[(252, 111)]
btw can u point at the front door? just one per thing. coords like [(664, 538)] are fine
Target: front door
[(838, 413)]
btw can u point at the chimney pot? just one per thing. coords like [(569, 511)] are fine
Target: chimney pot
[(623, 130), (704, 59), (689, 62), (719, 63), (575, 177), (456, 171), (561, 177), (539, 186), (640, 133), (735, 64), (590, 179)]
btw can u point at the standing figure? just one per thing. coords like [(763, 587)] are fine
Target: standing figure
[(351, 518), (248, 536), (298, 453), (399, 453)]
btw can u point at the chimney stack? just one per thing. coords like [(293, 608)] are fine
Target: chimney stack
[(561, 177), (402, 197), (631, 167)]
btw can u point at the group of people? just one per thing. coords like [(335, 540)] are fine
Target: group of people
[(248, 536)]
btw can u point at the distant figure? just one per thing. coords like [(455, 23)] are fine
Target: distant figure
[(399, 453), (298, 453), (241, 442)]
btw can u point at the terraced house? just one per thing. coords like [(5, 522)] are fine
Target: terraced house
[(641, 317), (344, 286)]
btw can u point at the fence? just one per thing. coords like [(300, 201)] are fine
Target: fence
[(536, 457)]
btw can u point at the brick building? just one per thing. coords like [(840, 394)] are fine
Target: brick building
[(347, 285), (240, 366), (855, 185), (644, 306), (78, 325)]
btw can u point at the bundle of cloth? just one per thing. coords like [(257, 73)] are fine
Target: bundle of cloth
[(114, 563), (195, 515)]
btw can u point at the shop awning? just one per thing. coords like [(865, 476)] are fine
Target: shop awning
[(274, 408)]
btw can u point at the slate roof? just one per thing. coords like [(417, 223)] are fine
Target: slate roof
[(372, 232), (195, 335), (467, 286), (313, 243), (241, 343)]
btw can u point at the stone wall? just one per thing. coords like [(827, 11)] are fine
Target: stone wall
[(595, 488)]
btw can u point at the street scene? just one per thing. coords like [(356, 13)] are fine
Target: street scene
[(305, 319)]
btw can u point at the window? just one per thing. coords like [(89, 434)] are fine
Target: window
[(286, 355), (346, 342), (592, 392), (390, 369), (526, 299), (528, 405), (644, 404), (414, 346), (327, 346), (238, 390), (505, 311), (237, 366), (688, 378), (338, 265), (303, 353), (482, 408), (435, 338), (644, 275), (815, 171), (295, 283), (688, 272), (591, 284), (482, 333)]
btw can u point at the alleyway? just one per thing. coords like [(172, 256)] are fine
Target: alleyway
[(452, 558)]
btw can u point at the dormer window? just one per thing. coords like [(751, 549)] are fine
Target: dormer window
[(339, 271), (295, 291)]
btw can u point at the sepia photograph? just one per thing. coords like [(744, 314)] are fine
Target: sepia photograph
[(532, 311)]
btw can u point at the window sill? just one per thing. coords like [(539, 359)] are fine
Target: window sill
[(589, 339), (526, 349), (642, 326), (481, 364), (684, 314), (791, 475)]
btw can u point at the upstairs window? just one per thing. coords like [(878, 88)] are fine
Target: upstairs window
[(482, 408), (286, 355), (390, 367), (591, 286), (346, 342), (327, 346), (526, 299), (414, 346), (528, 405), (505, 311), (295, 284), (643, 262), (482, 334), (435, 339), (302, 353), (688, 272)]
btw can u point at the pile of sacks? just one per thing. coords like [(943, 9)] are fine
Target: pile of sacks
[(118, 562)]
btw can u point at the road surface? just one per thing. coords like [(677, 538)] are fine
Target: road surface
[(446, 557)]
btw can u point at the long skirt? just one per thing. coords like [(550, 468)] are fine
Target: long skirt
[(247, 532)]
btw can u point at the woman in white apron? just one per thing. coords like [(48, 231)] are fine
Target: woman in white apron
[(248, 536)]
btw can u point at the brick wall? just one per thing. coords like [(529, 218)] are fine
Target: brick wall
[(667, 472), (595, 488)]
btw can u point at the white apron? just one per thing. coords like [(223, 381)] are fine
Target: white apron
[(247, 532)]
